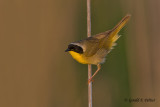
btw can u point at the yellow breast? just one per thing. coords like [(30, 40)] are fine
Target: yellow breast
[(79, 57)]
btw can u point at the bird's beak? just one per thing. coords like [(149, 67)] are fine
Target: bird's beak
[(67, 50)]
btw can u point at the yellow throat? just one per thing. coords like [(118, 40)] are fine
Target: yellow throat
[(78, 57)]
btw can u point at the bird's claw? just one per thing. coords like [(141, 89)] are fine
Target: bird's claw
[(90, 80)]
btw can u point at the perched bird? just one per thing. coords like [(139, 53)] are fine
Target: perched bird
[(94, 49)]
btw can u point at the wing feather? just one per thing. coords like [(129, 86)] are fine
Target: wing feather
[(92, 46)]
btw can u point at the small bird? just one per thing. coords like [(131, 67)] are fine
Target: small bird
[(94, 49)]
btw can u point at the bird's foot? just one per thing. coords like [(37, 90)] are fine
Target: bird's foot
[(90, 80)]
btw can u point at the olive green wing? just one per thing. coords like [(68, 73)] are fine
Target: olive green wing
[(104, 40), (91, 46), (105, 43), (96, 43), (108, 41), (99, 42)]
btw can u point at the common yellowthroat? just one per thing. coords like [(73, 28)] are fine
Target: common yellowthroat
[(94, 49)]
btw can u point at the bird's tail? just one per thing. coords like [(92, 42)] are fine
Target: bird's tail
[(114, 32)]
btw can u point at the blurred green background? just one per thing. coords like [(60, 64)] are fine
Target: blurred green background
[(36, 72)]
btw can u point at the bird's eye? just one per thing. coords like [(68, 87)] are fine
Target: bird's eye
[(78, 49), (71, 48), (75, 48)]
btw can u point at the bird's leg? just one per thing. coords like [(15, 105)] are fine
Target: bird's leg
[(98, 68)]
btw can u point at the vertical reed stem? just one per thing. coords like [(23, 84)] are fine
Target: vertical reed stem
[(89, 66)]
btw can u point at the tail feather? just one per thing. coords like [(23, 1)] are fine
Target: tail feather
[(113, 36), (119, 26)]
